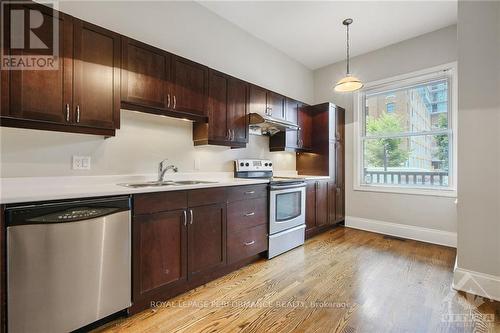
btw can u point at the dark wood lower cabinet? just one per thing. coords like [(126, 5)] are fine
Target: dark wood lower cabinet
[(207, 238), (159, 252), (179, 238), (322, 207)]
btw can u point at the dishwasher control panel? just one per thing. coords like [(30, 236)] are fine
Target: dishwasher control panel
[(71, 215)]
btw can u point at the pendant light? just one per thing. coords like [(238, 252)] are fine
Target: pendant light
[(348, 83)]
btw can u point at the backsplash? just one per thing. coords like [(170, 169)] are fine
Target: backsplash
[(139, 145)]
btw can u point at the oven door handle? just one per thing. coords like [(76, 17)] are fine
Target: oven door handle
[(285, 187)]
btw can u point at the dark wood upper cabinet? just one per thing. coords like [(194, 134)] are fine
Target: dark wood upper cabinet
[(227, 113), (289, 140), (41, 95), (217, 107), (266, 102), (158, 82), (276, 105), (146, 71), (80, 95), (257, 100), (159, 252), (237, 115), (189, 86), (96, 81), (305, 122), (207, 238)]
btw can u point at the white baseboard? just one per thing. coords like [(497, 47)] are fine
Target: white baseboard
[(427, 235), (476, 283)]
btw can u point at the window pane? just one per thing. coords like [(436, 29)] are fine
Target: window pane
[(415, 161), (413, 109)]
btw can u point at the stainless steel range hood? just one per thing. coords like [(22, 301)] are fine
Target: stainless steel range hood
[(267, 125)]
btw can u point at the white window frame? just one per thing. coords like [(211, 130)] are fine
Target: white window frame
[(446, 70)]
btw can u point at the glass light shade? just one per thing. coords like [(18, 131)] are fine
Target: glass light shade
[(348, 84)]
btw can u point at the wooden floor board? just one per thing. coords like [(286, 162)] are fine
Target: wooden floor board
[(343, 281)]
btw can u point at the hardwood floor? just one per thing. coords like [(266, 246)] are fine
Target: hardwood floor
[(344, 280)]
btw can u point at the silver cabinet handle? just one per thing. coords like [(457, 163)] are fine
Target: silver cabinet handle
[(250, 214), (190, 216), (67, 112), (249, 243), (228, 136), (185, 218), (168, 100), (249, 192), (175, 101), (78, 113)]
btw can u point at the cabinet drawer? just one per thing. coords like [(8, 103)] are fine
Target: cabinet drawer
[(206, 196), (245, 214), (148, 203), (246, 243), (236, 193)]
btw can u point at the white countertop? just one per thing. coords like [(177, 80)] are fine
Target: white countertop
[(29, 189)]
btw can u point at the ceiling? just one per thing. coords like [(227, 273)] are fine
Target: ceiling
[(312, 33)]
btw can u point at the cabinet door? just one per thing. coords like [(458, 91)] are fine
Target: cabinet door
[(276, 105), (339, 204), (310, 205), (207, 238), (40, 95), (145, 73), (292, 114), (159, 252), (189, 86), (217, 106), (96, 81), (257, 100), (332, 210), (305, 131), (339, 164), (237, 116), (321, 203)]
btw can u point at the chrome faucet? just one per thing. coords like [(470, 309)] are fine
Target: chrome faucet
[(162, 169)]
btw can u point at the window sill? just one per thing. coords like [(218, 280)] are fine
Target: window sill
[(446, 192)]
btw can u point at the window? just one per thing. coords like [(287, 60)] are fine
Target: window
[(390, 107), (409, 148)]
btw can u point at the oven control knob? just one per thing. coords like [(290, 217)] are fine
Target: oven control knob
[(265, 164), (242, 164), (270, 164), (247, 164)]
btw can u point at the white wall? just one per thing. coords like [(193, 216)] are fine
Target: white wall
[(415, 54), (479, 138), (186, 29), (139, 145)]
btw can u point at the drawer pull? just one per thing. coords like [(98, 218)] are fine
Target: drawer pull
[(249, 243), (250, 214), (249, 192)]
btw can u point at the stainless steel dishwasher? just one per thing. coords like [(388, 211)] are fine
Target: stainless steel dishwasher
[(68, 263)]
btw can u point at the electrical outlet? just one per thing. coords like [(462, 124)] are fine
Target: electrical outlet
[(197, 163), (81, 162)]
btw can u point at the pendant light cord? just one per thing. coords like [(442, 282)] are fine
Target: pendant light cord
[(347, 49)]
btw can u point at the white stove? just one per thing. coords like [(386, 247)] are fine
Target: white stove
[(287, 204)]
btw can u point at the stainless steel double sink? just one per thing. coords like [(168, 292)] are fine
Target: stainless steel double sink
[(165, 183)]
